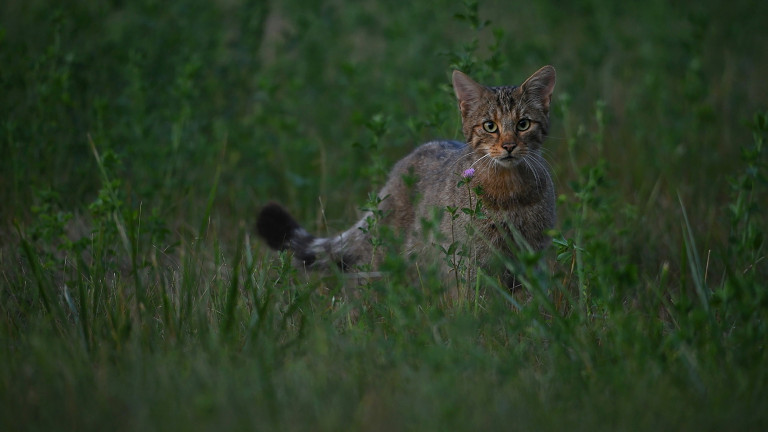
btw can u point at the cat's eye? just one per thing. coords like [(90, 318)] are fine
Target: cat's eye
[(490, 126), (523, 125)]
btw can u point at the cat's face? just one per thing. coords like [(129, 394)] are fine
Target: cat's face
[(505, 124)]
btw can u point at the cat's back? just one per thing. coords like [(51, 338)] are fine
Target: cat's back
[(440, 150), (432, 156)]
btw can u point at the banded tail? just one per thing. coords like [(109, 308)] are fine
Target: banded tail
[(282, 232)]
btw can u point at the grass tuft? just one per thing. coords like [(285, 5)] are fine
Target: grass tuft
[(139, 140)]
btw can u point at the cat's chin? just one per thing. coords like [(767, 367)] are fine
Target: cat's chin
[(507, 162)]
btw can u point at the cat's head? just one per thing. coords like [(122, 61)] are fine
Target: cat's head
[(505, 123)]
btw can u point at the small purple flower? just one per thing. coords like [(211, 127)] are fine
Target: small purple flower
[(468, 173)]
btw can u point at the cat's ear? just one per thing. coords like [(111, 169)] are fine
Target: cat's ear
[(538, 88), (468, 92)]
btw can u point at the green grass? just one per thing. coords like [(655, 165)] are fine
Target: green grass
[(139, 139)]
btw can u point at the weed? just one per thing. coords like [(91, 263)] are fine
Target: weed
[(137, 142)]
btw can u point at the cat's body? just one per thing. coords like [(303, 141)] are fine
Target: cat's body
[(504, 128)]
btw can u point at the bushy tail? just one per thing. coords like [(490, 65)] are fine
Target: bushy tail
[(282, 232)]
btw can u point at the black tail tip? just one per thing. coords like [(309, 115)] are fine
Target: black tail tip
[(276, 225)]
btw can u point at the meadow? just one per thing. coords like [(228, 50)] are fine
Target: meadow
[(138, 140)]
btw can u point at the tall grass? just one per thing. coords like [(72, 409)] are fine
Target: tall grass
[(140, 138)]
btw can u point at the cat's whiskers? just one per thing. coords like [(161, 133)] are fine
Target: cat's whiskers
[(541, 159), (556, 138), (528, 160), (493, 162), (489, 163), (545, 152), (543, 164), (481, 158), (496, 164), (456, 162), (546, 166)]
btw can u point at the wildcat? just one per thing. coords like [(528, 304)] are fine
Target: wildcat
[(504, 128)]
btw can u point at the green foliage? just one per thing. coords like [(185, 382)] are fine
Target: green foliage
[(138, 139)]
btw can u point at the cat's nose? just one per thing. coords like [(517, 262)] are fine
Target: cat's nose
[(508, 146)]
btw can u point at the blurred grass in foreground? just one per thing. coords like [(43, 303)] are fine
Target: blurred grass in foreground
[(139, 139)]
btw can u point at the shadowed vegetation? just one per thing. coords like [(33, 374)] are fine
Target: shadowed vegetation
[(139, 139)]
